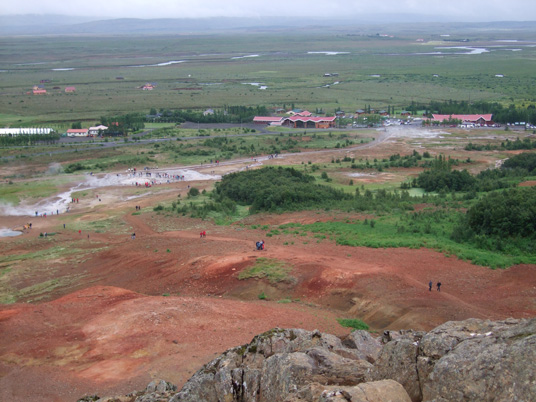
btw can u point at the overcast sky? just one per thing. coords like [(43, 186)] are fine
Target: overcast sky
[(454, 10)]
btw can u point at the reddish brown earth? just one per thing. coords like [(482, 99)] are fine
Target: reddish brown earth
[(99, 337), (127, 311)]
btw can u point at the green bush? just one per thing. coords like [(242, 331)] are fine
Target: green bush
[(353, 323), (526, 160), (73, 167), (193, 192), (506, 213), (276, 189)]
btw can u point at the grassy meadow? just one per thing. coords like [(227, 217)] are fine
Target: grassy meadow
[(210, 71)]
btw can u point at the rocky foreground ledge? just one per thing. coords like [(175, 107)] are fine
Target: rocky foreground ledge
[(472, 360)]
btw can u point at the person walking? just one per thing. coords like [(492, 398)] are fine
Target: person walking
[(430, 284), (439, 286)]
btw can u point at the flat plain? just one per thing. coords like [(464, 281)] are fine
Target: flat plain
[(393, 67)]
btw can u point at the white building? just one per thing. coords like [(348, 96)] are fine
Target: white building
[(25, 131), (96, 130), (77, 132)]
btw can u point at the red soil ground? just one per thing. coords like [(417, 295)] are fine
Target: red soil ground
[(162, 305), (105, 339)]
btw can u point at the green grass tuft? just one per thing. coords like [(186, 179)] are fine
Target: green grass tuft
[(272, 269), (354, 323)]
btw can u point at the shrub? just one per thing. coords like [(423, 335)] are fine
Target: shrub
[(353, 323), (506, 213), (73, 167), (276, 189), (193, 192)]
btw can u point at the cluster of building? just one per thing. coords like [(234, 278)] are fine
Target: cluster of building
[(305, 119), (292, 119), (40, 89), (86, 132)]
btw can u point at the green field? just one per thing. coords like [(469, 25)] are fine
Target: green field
[(372, 70)]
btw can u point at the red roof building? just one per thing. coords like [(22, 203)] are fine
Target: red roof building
[(479, 119), (297, 121), (39, 91), (267, 120), (70, 89), (148, 87), (309, 122)]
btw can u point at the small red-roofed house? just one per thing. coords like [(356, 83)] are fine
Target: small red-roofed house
[(70, 89), (39, 90)]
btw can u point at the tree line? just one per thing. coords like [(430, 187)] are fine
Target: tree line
[(507, 145), (229, 114), (29, 139), (122, 124)]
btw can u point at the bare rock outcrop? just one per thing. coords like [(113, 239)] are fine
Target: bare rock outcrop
[(472, 360), (279, 365), (376, 391), (398, 362)]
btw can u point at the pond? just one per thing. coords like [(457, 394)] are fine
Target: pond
[(9, 233)]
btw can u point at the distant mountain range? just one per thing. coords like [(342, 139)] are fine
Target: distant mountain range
[(65, 25)]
